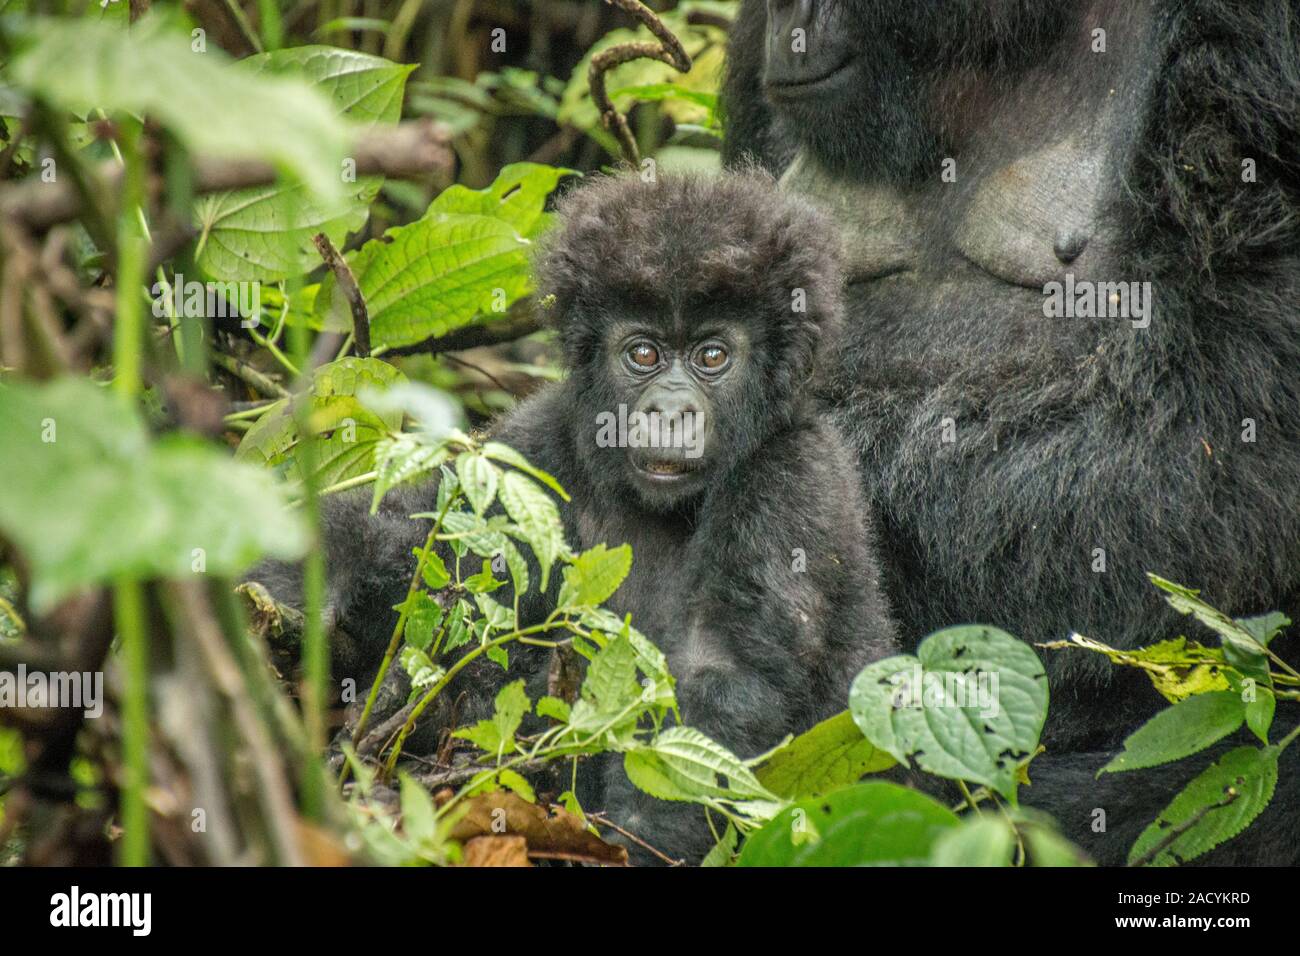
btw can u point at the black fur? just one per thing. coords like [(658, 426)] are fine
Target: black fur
[(759, 647), (1076, 434)]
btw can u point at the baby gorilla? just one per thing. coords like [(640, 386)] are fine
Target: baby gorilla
[(691, 312)]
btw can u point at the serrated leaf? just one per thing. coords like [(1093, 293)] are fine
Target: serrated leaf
[(423, 672), (536, 517), (422, 618), (87, 497), (931, 708), (1179, 731), (595, 575), (497, 734), (553, 707), (478, 479), (869, 824), (832, 755), (695, 767), (458, 632), (512, 780), (434, 571), (1237, 788), (498, 616), (610, 684), (508, 456)]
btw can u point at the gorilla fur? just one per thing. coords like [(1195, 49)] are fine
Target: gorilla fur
[(757, 580), (1068, 435)]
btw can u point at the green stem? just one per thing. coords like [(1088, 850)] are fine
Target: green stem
[(129, 617), (398, 630)]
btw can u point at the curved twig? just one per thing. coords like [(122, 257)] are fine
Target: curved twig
[(669, 50)]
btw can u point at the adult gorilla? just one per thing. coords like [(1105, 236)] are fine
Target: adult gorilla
[(1029, 469)]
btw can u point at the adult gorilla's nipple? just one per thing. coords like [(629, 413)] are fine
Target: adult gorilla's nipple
[(1070, 244)]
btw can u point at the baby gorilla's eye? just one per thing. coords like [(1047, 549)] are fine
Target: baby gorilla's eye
[(711, 357), (643, 355)]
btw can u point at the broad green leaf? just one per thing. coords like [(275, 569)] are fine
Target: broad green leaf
[(649, 659), (87, 497), (434, 571), (595, 575), (266, 233), (981, 841), (482, 536), (1179, 731), (517, 196), (832, 755), (422, 618), (433, 276), (478, 479), (537, 519), (347, 430), (969, 706), (212, 105), (553, 707), (869, 824), (512, 780), (1237, 787)]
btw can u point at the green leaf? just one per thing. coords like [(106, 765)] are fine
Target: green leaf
[(347, 430), (86, 496), (433, 276), (497, 735), (422, 618), (610, 684), (1259, 713), (537, 519), (434, 571), (595, 575), (483, 582), (507, 455), (423, 672), (554, 708), (458, 633), (981, 841), (969, 706), (832, 755), (1179, 731), (682, 763), (1185, 600), (1178, 668), (266, 233), (1236, 788), (724, 851), (478, 479), (869, 824), (215, 108), (498, 616), (517, 197), (419, 818), (512, 780)]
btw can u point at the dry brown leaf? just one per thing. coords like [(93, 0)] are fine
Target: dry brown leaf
[(553, 835), (511, 850)]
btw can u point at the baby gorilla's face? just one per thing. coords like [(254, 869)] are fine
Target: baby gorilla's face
[(673, 404)]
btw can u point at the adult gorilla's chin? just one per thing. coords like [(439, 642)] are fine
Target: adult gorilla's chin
[(878, 67)]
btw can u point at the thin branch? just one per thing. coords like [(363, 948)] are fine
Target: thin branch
[(407, 151), (669, 50), (347, 284)]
